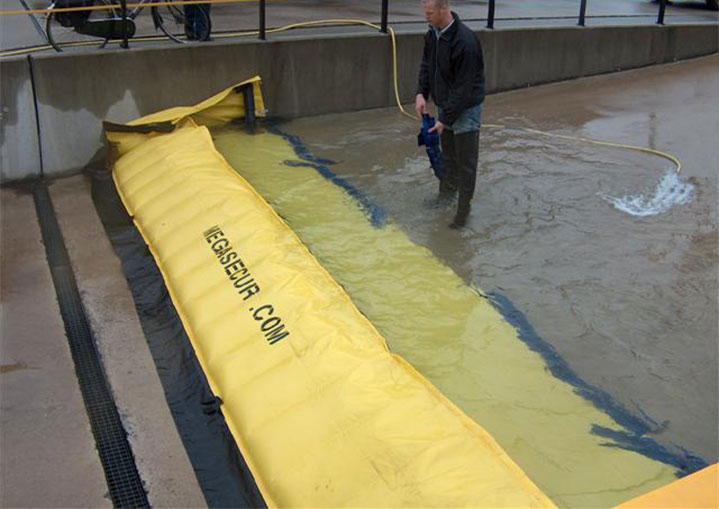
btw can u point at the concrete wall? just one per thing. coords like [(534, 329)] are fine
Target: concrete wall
[(19, 147), (302, 76), (521, 57)]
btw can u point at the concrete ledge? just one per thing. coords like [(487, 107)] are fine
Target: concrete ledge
[(302, 75), (49, 457), (160, 456)]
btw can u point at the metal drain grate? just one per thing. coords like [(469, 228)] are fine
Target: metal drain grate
[(123, 480)]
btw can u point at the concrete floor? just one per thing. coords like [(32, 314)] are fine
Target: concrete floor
[(48, 455), (45, 437), (21, 31)]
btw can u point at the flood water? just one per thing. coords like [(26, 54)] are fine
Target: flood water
[(627, 297), (604, 259)]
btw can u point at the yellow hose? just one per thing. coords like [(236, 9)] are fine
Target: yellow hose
[(331, 22), (24, 51), (659, 153)]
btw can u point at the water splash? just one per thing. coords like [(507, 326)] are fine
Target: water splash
[(670, 191)]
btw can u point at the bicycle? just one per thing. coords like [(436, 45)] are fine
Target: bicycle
[(88, 27)]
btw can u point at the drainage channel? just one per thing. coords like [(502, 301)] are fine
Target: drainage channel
[(123, 479)]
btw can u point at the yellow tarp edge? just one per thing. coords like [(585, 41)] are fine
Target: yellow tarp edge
[(471, 425), (699, 490)]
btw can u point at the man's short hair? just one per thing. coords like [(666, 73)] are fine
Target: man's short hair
[(439, 4)]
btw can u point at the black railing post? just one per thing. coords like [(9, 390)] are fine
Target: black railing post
[(662, 8), (582, 12), (490, 15), (123, 10), (383, 27), (262, 20)]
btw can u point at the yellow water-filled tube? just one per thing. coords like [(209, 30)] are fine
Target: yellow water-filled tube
[(324, 414)]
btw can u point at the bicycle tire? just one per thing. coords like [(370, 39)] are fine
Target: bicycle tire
[(171, 20), (60, 35)]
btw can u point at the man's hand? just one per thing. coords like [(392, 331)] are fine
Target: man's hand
[(420, 105), (438, 127)]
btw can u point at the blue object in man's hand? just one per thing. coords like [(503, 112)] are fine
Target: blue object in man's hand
[(431, 142)]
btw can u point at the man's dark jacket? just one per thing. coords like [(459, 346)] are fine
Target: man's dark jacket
[(452, 70)]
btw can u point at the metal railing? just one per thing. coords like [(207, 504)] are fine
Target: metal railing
[(662, 8), (582, 13), (490, 15), (262, 31), (123, 13)]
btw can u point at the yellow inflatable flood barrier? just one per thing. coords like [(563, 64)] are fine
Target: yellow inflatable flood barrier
[(324, 414)]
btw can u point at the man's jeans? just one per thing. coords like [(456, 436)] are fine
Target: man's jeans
[(469, 121), (460, 146)]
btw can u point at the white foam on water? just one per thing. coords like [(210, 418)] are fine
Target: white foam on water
[(670, 191)]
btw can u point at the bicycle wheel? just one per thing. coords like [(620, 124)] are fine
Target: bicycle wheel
[(60, 28), (174, 24)]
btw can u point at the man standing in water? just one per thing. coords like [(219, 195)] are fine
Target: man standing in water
[(452, 73)]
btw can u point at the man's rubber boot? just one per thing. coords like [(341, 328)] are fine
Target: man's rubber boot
[(467, 153), (448, 185)]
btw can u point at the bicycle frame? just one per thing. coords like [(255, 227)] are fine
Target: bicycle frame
[(117, 22), (137, 10), (113, 27)]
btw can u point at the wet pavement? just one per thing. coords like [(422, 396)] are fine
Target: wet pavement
[(404, 15), (628, 300)]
